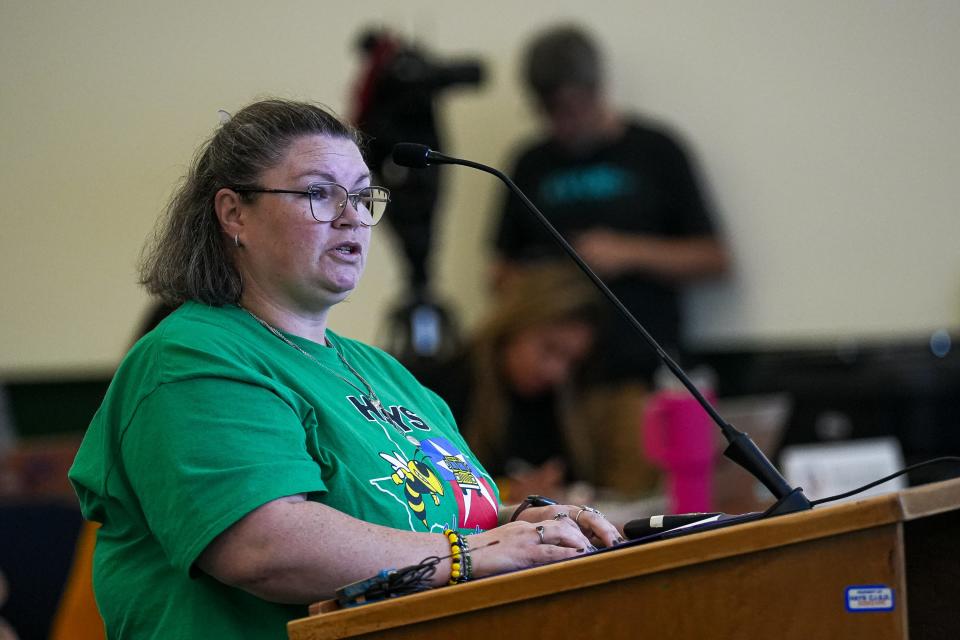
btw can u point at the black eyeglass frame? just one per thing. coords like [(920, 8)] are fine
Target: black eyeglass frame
[(353, 198)]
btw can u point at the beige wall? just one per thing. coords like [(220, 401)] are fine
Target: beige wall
[(827, 132)]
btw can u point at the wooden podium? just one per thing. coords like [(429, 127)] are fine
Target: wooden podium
[(785, 577)]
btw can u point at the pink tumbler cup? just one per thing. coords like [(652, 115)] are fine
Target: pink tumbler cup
[(679, 438)]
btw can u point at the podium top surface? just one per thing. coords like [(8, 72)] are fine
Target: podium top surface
[(634, 559)]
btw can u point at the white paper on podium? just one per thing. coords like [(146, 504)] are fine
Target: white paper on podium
[(828, 469)]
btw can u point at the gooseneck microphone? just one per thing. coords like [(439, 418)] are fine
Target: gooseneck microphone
[(741, 449)]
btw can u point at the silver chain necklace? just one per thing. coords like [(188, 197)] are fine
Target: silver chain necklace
[(368, 393)]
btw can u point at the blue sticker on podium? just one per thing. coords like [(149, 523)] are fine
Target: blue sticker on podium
[(869, 598)]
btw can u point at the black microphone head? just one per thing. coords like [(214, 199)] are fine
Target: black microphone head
[(409, 154)]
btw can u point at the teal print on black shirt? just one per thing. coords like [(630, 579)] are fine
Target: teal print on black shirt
[(586, 184)]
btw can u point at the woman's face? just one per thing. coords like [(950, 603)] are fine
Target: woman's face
[(289, 258), (540, 358)]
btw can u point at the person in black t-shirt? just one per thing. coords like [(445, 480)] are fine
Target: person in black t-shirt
[(624, 193)]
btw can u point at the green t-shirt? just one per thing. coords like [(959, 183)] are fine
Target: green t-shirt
[(210, 416)]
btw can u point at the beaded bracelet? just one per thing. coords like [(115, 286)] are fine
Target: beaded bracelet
[(461, 567)]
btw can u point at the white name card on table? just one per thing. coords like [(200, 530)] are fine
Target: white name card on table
[(827, 469)]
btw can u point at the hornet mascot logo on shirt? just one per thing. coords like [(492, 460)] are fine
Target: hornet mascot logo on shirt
[(418, 479)]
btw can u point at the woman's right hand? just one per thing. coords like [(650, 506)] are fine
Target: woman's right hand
[(519, 545)]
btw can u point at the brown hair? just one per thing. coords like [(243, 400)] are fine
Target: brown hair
[(187, 258), (559, 57), (538, 295)]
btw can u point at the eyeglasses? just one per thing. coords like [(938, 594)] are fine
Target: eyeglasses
[(328, 200)]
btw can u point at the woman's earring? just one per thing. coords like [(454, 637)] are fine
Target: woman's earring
[(236, 241)]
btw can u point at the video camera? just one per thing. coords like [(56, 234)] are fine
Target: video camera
[(395, 101)]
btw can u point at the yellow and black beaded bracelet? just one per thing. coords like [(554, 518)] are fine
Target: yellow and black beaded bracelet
[(460, 565)]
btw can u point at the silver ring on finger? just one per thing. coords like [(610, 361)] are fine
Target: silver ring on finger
[(576, 518), (539, 531), (591, 510), (561, 516)]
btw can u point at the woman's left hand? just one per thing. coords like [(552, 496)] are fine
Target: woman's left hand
[(588, 520)]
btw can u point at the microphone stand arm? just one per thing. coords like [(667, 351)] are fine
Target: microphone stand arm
[(741, 449)]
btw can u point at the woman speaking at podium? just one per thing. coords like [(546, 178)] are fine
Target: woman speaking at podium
[(247, 460)]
